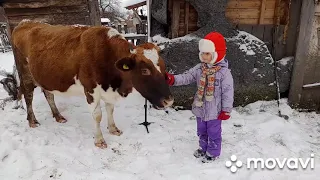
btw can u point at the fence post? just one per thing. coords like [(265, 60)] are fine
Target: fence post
[(119, 28), (138, 28), (126, 29)]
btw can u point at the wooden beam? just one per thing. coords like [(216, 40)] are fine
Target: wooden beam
[(276, 19), (262, 10), (175, 18), (302, 49), (38, 4), (136, 5), (186, 18)]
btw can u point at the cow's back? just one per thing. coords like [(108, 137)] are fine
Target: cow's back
[(58, 55)]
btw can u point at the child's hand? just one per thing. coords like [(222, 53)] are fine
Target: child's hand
[(170, 79), (224, 115)]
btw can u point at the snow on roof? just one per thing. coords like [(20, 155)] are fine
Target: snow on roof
[(132, 2), (105, 20)]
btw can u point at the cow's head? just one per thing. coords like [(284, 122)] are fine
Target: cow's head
[(147, 73)]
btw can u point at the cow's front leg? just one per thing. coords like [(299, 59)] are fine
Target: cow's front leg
[(95, 109), (111, 125)]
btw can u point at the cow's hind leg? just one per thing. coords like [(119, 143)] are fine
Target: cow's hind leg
[(95, 109), (26, 85), (55, 112), (28, 96), (113, 129)]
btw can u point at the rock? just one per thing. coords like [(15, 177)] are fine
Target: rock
[(249, 59), (159, 11), (285, 66)]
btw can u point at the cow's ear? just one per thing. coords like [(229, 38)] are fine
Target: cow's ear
[(126, 64)]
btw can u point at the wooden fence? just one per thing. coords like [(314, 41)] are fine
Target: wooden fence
[(136, 39), (5, 45)]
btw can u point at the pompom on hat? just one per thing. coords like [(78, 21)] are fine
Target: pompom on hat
[(214, 43)]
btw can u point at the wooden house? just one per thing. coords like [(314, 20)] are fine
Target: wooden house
[(84, 12)]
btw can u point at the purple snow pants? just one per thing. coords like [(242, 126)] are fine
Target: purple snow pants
[(209, 133)]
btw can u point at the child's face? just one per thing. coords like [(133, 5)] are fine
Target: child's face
[(206, 57)]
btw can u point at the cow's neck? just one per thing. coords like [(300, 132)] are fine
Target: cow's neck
[(125, 86)]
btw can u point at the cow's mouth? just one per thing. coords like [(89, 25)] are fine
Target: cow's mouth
[(166, 102)]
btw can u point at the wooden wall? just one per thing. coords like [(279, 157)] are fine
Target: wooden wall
[(251, 11), (2, 17), (257, 17), (184, 18), (53, 11)]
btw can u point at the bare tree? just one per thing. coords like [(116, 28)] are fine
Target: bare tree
[(110, 8)]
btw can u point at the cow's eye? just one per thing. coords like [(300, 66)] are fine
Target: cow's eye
[(145, 72)]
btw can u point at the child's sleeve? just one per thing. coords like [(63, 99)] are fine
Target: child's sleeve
[(186, 78), (227, 92)]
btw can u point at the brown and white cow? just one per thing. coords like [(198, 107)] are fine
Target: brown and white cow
[(95, 62)]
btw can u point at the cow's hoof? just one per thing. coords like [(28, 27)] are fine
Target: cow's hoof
[(34, 124), (115, 131), (61, 120), (102, 144)]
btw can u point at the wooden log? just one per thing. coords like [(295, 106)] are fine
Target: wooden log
[(70, 18), (42, 3), (46, 10)]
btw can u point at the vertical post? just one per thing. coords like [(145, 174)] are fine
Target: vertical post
[(302, 50), (262, 11), (94, 12), (138, 28), (119, 28), (126, 29), (149, 2), (186, 18), (175, 18)]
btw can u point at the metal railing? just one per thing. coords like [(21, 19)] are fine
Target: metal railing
[(5, 45)]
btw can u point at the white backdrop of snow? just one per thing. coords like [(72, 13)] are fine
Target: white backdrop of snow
[(66, 151)]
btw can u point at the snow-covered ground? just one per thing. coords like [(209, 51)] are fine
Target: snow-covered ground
[(67, 151)]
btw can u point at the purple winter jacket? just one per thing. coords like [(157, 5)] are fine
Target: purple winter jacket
[(223, 95)]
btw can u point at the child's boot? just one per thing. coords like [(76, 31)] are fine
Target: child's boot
[(208, 159), (199, 153)]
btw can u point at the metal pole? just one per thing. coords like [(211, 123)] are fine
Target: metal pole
[(146, 123)]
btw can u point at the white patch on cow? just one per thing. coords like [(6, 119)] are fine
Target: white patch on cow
[(109, 96), (153, 56), (76, 89), (113, 32), (27, 59)]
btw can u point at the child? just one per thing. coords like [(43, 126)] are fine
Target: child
[(213, 101)]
